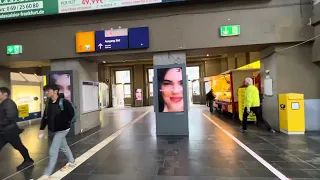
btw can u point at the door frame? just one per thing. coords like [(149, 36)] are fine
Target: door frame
[(123, 68)]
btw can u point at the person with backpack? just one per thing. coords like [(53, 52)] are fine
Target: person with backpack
[(58, 116), (9, 130)]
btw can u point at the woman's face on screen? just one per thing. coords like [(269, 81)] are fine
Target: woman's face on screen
[(138, 94), (172, 90), (63, 81)]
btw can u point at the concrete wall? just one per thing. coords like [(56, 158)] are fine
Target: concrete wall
[(316, 24), (292, 72), (212, 68), (83, 71), (193, 27), (5, 77)]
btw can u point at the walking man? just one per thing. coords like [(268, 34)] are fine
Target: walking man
[(58, 122), (252, 104), (9, 130)]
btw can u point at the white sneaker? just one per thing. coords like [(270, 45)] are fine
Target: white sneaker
[(68, 166), (44, 177)]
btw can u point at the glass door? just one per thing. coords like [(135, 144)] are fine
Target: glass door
[(123, 88), (120, 95), (150, 86)]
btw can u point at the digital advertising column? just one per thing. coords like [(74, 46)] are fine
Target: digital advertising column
[(170, 95)]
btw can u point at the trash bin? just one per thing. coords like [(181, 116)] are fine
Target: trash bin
[(291, 113)]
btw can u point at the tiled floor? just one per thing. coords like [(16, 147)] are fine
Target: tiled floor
[(207, 154)]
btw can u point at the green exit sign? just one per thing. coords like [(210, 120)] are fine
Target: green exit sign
[(14, 49), (231, 30)]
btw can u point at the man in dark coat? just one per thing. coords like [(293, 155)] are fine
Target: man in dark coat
[(9, 130)]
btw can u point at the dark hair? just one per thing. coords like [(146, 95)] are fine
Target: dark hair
[(5, 90), (51, 87)]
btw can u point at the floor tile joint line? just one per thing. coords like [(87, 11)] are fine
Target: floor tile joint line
[(251, 152)]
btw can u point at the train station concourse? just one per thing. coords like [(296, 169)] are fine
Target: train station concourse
[(160, 89)]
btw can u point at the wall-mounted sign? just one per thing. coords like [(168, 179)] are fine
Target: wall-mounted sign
[(111, 40), (23, 111), (138, 38), (11, 9), (85, 42), (117, 39), (14, 49), (231, 30)]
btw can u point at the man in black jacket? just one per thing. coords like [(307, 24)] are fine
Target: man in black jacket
[(9, 130), (58, 121)]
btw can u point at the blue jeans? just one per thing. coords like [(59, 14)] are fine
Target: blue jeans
[(59, 142)]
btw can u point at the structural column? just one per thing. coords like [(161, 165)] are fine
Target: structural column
[(291, 71), (82, 71), (171, 119), (316, 23), (5, 77)]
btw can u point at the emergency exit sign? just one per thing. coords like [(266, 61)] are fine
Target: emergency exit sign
[(14, 49), (231, 30)]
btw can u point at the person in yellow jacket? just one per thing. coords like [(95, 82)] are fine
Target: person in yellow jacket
[(252, 104)]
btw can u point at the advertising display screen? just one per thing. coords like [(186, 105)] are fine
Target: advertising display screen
[(63, 80), (170, 83), (28, 95), (138, 94)]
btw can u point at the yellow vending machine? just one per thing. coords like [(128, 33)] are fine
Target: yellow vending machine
[(291, 113)]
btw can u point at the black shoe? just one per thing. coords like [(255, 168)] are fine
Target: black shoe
[(25, 164)]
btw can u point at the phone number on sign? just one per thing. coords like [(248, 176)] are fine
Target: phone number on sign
[(21, 7)]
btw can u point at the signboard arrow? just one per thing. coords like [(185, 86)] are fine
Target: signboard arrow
[(10, 49), (100, 45)]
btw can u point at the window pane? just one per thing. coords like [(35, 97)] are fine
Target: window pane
[(196, 88), (122, 76), (151, 89), (193, 72), (127, 90), (150, 75)]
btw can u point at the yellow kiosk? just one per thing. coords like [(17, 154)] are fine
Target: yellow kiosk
[(291, 113)]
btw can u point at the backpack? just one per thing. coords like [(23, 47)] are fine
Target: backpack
[(75, 117)]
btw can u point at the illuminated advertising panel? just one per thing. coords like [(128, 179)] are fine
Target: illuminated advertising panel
[(170, 84)]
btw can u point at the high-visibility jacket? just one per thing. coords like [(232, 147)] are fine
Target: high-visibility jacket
[(252, 97)]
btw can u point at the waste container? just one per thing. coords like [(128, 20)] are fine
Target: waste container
[(291, 113)]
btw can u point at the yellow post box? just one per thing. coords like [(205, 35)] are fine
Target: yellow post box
[(291, 113)]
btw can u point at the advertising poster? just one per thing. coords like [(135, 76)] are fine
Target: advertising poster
[(64, 83), (68, 6), (138, 94), (28, 95), (170, 90), (10, 9)]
